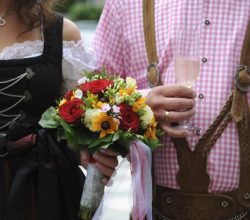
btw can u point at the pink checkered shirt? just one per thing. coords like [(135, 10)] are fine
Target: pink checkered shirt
[(119, 43)]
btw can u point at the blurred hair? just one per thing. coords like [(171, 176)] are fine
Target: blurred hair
[(30, 12)]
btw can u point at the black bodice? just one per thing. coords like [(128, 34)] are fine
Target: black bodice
[(29, 86), (41, 181)]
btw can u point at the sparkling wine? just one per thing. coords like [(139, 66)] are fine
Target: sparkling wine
[(186, 70)]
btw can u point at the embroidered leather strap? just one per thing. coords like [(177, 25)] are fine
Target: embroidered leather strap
[(192, 175), (241, 114), (153, 74)]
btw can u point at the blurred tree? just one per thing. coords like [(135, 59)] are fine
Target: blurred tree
[(66, 4), (85, 11), (81, 9)]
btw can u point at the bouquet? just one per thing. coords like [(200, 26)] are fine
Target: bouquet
[(102, 111)]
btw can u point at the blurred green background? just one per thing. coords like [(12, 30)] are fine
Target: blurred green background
[(82, 9)]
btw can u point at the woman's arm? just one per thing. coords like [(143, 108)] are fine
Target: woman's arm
[(70, 31)]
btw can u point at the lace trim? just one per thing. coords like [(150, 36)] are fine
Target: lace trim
[(34, 48)]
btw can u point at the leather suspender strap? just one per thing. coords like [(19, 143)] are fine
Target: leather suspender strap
[(192, 176), (241, 114), (153, 74)]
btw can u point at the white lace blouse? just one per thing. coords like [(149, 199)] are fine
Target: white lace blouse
[(77, 59)]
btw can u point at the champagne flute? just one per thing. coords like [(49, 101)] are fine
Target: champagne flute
[(187, 64)]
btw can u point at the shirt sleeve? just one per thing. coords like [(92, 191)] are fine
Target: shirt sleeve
[(108, 40), (77, 60)]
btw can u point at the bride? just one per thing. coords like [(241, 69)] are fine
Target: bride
[(41, 56)]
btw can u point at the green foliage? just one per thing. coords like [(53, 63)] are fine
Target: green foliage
[(84, 11), (50, 118), (64, 5)]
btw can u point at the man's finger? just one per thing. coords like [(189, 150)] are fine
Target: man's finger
[(177, 91)]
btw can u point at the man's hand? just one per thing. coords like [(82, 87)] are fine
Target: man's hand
[(105, 160), (172, 103)]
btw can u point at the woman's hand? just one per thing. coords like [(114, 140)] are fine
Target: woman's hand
[(105, 160), (172, 103)]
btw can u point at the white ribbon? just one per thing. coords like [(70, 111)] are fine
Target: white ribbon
[(138, 190), (141, 160)]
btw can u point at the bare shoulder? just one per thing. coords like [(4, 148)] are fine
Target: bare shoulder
[(70, 31)]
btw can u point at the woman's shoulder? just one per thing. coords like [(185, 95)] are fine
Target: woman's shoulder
[(70, 31)]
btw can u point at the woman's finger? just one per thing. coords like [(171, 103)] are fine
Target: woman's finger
[(105, 170), (109, 152), (108, 161), (84, 158)]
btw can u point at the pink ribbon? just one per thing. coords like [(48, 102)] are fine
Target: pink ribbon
[(141, 161)]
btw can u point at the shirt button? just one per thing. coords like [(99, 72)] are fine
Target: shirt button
[(201, 96), (204, 59), (207, 22), (198, 132)]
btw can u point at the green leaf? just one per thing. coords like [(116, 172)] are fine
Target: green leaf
[(98, 141), (49, 118), (84, 137), (105, 145), (116, 136), (125, 140), (68, 129)]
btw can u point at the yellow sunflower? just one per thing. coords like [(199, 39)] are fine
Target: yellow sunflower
[(104, 124)]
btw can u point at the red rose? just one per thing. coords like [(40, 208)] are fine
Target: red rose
[(68, 94), (129, 119), (96, 86), (71, 111)]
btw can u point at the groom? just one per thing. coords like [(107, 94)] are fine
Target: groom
[(202, 175)]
